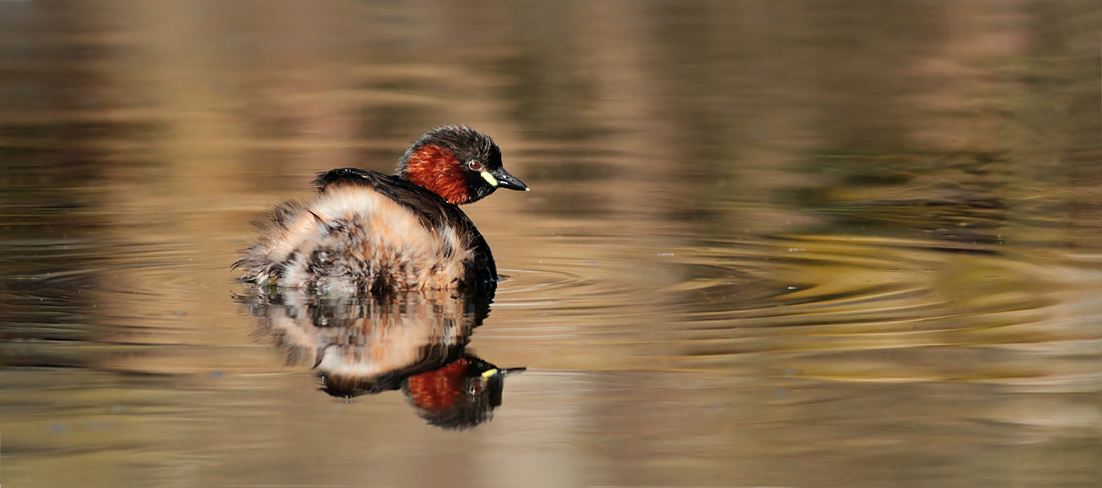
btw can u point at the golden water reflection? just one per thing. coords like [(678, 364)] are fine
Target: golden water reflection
[(414, 342)]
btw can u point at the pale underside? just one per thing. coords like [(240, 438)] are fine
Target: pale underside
[(350, 238)]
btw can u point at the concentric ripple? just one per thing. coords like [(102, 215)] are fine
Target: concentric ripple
[(843, 308)]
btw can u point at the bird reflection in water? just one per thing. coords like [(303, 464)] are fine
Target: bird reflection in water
[(410, 341)]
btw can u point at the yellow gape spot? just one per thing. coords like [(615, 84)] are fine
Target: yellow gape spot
[(492, 371), (489, 178)]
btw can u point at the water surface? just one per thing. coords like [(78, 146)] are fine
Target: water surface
[(768, 243)]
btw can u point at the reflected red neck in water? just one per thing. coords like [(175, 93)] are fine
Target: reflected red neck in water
[(439, 388)]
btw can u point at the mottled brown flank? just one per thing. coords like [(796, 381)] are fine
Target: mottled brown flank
[(437, 169), (353, 239), (440, 388)]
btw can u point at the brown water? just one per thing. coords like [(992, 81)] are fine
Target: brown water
[(807, 244)]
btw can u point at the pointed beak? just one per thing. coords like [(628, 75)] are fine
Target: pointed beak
[(490, 373), (500, 372), (506, 180)]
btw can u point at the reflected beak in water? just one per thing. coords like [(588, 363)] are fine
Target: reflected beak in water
[(489, 373)]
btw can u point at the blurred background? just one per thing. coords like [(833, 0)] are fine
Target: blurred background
[(801, 243)]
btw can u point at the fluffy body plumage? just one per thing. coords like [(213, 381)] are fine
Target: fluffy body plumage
[(366, 232)]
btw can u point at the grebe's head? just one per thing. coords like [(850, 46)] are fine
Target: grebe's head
[(460, 395), (458, 163)]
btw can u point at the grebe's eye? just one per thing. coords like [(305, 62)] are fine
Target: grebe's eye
[(474, 165), (474, 388)]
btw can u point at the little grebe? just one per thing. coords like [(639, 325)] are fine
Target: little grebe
[(367, 232)]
